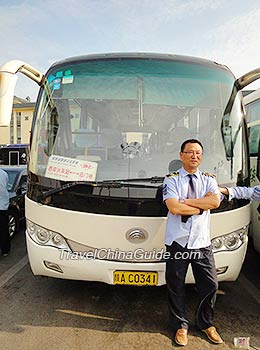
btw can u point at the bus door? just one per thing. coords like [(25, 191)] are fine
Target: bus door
[(252, 106)]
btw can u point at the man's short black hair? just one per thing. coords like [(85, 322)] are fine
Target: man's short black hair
[(190, 141)]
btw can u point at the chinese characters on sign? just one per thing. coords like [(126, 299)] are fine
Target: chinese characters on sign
[(70, 169)]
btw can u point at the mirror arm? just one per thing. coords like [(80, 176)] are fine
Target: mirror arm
[(247, 78), (7, 85), (16, 66)]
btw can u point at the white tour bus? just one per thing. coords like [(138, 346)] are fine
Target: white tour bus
[(107, 128), (252, 105)]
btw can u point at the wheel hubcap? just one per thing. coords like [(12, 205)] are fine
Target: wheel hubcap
[(11, 226)]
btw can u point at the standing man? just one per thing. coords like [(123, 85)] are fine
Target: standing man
[(187, 238), (5, 244)]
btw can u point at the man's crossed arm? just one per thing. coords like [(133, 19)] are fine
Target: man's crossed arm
[(193, 206)]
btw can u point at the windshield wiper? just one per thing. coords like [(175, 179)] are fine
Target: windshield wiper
[(107, 183), (153, 179), (63, 188)]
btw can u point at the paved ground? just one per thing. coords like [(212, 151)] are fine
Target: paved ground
[(43, 313)]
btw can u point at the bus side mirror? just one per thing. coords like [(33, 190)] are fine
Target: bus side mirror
[(7, 85)]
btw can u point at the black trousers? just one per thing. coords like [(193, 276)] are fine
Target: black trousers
[(204, 271), (5, 243)]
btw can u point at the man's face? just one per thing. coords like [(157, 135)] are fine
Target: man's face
[(191, 156)]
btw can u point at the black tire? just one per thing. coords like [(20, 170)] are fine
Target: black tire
[(13, 223)]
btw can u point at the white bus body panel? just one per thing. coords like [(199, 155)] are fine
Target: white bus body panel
[(108, 231), (255, 215)]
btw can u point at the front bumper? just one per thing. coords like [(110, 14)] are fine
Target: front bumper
[(102, 270)]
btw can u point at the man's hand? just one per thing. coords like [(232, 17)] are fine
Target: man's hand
[(208, 194), (224, 190), (177, 208), (209, 201)]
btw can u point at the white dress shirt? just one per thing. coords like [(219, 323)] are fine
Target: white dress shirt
[(195, 233), (4, 196), (252, 193)]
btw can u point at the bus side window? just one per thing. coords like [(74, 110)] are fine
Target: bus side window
[(52, 129), (254, 137)]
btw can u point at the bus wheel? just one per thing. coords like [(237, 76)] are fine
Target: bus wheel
[(13, 223)]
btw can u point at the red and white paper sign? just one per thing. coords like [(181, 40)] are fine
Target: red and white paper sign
[(70, 169)]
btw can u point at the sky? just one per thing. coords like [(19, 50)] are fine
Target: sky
[(43, 32)]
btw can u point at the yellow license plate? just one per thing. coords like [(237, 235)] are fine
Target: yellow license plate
[(136, 278)]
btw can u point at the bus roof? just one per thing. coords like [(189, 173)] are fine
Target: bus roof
[(141, 55)]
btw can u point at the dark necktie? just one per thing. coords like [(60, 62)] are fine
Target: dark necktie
[(190, 194)]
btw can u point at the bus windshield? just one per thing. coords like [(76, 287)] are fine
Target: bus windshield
[(126, 119)]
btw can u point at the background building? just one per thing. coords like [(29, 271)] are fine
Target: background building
[(21, 121)]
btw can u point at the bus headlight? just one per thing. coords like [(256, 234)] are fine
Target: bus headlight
[(45, 237), (217, 243), (42, 235), (231, 241)]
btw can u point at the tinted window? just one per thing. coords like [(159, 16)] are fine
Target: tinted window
[(253, 118)]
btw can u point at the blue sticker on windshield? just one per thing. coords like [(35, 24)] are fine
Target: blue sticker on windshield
[(56, 84), (59, 74), (51, 78), (56, 87)]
